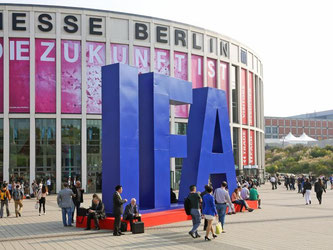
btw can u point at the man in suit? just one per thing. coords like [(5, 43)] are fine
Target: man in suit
[(78, 198), (95, 212), (132, 212), (118, 210)]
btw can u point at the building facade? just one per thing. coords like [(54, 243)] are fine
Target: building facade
[(317, 128), (50, 71)]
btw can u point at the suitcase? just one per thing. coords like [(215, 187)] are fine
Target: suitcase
[(123, 226), (138, 228)]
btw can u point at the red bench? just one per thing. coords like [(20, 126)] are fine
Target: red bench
[(154, 218), (149, 219), (252, 204)]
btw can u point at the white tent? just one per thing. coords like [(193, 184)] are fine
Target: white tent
[(290, 138), (306, 138)]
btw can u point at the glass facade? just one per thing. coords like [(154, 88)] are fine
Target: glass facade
[(1, 150), (235, 145), (70, 150), (178, 168), (180, 128), (46, 151), (94, 156), (19, 151), (234, 93)]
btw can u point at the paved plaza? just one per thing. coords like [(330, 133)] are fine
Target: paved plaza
[(283, 223)]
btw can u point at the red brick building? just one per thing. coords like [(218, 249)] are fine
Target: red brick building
[(278, 127)]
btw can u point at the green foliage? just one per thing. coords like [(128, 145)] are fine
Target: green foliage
[(300, 159)]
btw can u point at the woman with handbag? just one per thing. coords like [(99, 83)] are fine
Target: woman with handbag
[(209, 211), (41, 198)]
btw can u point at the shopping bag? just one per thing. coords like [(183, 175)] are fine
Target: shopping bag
[(218, 229), (36, 205)]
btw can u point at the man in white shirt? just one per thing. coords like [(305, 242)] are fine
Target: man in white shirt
[(222, 198), (273, 182), (245, 193)]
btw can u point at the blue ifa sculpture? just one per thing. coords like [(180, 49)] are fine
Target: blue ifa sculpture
[(136, 141)]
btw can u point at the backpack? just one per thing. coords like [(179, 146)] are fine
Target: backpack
[(3, 195), (17, 195), (187, 206)]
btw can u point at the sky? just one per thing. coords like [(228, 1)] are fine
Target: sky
[(292, 39)]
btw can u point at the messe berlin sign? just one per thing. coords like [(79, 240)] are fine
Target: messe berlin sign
[(137, 144)]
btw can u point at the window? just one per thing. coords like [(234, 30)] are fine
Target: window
[(180, 128), (268, 130), (94, 156), (46, 151), (274, 130), (19, 151), (234, 94), (70, 150)]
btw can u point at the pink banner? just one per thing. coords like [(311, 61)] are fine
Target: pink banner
[(197, 71), (211, 73), (1, 75), (224, 79), (95, 59), (45, 76), (19, 75), (141, 59), (251, 100), (251, 148), (244, 96), (119, 53), (180, 71), (162, 61), (71, 77), (245, 147)]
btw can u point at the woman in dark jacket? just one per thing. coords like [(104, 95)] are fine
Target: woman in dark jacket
[(319, 188), (96, 212)]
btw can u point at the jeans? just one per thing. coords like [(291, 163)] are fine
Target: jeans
[(42, 203), (221, 210), (4, 203), (307, 196), (67, 211), (196, 219)]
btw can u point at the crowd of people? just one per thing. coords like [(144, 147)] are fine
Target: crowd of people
[(211, 204), (304, 185)]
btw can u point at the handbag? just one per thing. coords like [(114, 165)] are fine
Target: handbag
[(218, 229), (36, 205)]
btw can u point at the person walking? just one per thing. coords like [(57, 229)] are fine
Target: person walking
[(273, 182), (209, 211), (319, 188), (65, 202), (49, 185), (195, 200), (118, 210), (222, 199), (18, 198), (202, 194), (41, 198), (78, 198), (307, 191), (4, 198)]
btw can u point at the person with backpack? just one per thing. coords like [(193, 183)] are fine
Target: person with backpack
[(193, 205), (41, 198), (4, 198), (18, 198)]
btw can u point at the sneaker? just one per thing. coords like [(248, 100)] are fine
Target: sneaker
[(39, 214), (44, 213), (250, 210)]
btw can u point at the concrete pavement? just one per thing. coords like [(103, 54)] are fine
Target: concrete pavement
[(283, 223)]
